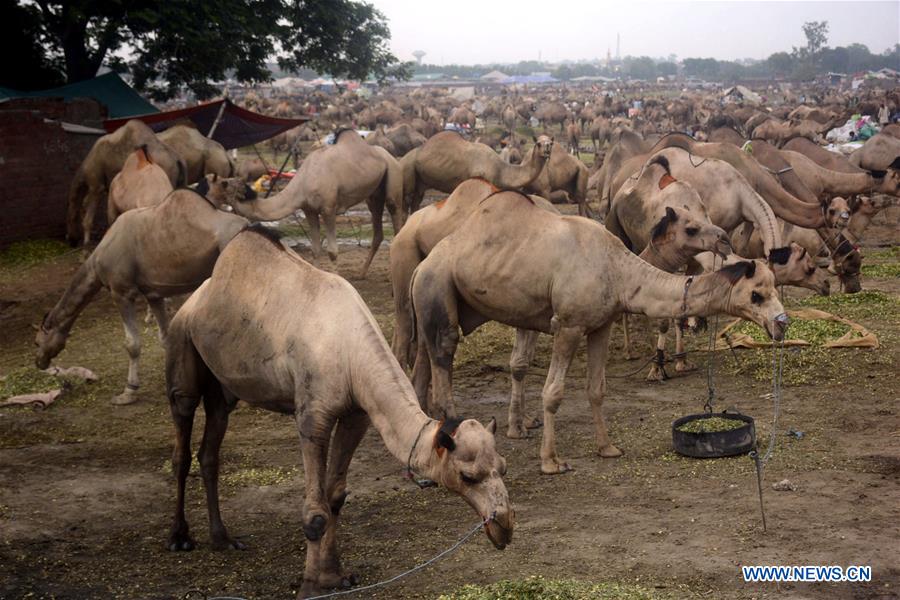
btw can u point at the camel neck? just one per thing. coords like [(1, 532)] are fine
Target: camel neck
[(275, 207), (655, 293), (381, 388), (844, 184), (84, 285), (664, 256)]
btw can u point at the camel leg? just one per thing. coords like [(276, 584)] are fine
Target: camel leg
[(436, 315), (626, 332), (519, 361), (682, 364), (216, 408), (315, 237), (158, 308), (377, 210), (421, 375), (90, 210), (347, 436), (316, 511), (330, 217), (133, 347), (598, 351), (565, 342), (657, 369)]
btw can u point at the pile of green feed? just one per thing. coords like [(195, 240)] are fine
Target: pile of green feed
[(861, 304), (814, 331), (24, 254), (538, 588), (886, 270), (711, 425), (29, 380)]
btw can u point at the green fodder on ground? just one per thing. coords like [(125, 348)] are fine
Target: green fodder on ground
[(814, 331), (538, 588), (886, 270), (29, 380), (31, 252), (859, 305)]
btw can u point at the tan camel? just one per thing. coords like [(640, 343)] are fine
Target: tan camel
[(202, 156), (779, 132), (880, 153), (106, 158), (573, 133), (563, 172), (822, 157), (601, 132), (154, 253), (446, 160), (404, 137), (826, 183), (508, 118), (139, 184), (568, 276), (378, 138), (331, 180), (315, 351)]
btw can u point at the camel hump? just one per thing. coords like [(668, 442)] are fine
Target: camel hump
[(266, 232), (143, 157)]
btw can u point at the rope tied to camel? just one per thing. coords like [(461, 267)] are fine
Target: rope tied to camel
[(410, 474)]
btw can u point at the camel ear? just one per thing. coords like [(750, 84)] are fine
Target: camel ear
[(203, 187), (779, 256), (444, 437), (751, 269), (491, 426), (534, 138)]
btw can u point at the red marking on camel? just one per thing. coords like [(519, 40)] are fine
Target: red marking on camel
[(143, 159), (440, 203), (665, 180), (494, 188)]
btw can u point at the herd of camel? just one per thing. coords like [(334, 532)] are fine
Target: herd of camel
[(679, 228)]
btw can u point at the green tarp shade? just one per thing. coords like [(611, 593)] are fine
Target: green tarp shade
[(110, 90)]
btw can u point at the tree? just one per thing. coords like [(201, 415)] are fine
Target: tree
[(781, 63), (181, 44), (31, 68), (816, 33)]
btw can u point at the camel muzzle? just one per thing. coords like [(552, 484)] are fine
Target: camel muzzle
[(499, 529), (779, 326)]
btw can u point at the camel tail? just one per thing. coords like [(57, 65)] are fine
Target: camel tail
[(394, 189), (414, 328), (74, 203)]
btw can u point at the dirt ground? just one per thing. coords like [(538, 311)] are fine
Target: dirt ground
[(86, 491)]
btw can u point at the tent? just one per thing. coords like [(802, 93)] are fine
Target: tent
[(110, 90), (742, 93), (234, 126)]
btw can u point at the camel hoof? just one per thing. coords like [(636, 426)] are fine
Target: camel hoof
[(180, 542), (309, 589), (555, 468), (125, 398), (533, 423), (228, 543), (332, 256), (683, 366), (517, 433), (610, 451), (656, 374), (336, 580)]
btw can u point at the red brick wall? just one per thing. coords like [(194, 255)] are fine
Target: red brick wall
[(37, 163)]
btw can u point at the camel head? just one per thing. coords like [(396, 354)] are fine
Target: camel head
[(869, 206), (468, 463), (887, 182), (50, 342), (836, 212), (689, 234), (792, 265), (753, 296), (846, 263), (543, 146), (224, 192)]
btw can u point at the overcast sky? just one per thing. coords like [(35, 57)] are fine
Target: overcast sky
[(485, 31)]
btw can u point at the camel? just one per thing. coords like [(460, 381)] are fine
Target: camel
[(404, 137), (508, 118), (777, 132), (378, 138), (331, 180), (202, 156), (155, 253), (826, 183), (422, 231), (821, 156), (251, 169), (627, 145), (573, 132), (139, 184), (728, 197), (106, 158), (567, 276), (880, 153), (315, 351), (563, 172), (601, 132), (446, 160)]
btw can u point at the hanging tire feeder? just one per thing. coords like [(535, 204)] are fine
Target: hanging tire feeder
[(737, 436)]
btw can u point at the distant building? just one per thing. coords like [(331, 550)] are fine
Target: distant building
[(494, 77)]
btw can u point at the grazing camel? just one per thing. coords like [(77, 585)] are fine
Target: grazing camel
[(446, 160), (139, 184), (826, 183), (154, 253), (563, 172), (568, 276), (822, 157), (202, 156), (601, 132), (106, 158), (316, 352), (331, 180)]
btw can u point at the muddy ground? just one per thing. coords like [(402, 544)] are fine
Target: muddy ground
[(86, 491)]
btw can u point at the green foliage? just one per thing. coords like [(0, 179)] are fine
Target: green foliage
[(538, 588), (31, 252), (814, 331), (711, 425), (33, 68), (181, 45), (29, 380)]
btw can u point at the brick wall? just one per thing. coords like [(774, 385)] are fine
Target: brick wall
[(37, 163)]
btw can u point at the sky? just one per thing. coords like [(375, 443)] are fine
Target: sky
[(504, 31)]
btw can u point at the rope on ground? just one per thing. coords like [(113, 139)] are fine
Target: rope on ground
[(198, 593), (671, 359)]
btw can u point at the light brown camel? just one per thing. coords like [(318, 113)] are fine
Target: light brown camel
[(777, 132), (316, 352), (154, 253), (508, 118), (378, 138), (446, 160), (139, 184), (331, 180), (822, 157), (825, 183), (563, 172), (601, 132), (880, 153), (106, 158), (523, 266), (404, 137), (202, 156), (573, 133)]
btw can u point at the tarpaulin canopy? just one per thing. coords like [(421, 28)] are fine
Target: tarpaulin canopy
[(120, 99), (236, 127)]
